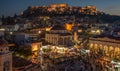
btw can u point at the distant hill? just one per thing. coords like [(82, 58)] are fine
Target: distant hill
[(66, 10), (91, 12)]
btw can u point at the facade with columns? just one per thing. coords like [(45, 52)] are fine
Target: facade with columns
[(111, 47), (58, 35)]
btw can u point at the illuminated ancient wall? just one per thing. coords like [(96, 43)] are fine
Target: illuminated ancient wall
[(58, 5), (111, 49)]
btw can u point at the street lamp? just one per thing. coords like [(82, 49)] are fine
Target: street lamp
[(11, 33), (39, 32)]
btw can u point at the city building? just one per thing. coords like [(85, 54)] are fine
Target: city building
[(5, 56), (116, 32), (24, 38), (21, 38), (58, 35), (11, 27), (110, 47), (23, 26)]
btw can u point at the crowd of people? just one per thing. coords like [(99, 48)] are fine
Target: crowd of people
[(84, 62)]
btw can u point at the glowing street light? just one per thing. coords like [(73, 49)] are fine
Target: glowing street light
[(11, 33), (39, 32)]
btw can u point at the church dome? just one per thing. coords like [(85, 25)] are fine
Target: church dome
[(3, 46), (3, 43)]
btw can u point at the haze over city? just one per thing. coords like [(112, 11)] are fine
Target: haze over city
[(10, 7)]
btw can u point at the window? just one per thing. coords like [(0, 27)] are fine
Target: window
[(6, 66)]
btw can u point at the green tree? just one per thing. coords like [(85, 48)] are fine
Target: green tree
[(47, 50), (24, 51)]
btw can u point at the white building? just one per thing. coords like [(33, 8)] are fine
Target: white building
[(11, 28), (23, 26), (21, 38), (59, 36)]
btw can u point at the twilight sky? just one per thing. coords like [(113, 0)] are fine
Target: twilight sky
[(10, 7)]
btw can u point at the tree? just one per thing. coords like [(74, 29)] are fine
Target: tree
[(24, 51), (47, 50)]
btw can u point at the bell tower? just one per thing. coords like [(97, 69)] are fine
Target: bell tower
[(5, 56)]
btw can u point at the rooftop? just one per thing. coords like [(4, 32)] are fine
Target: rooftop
[(107, 39), (20, 62), (58, 27)]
